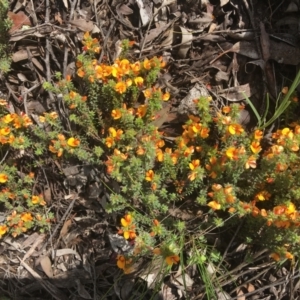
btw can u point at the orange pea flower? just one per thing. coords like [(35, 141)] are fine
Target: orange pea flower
[(159, 155), (116, 114), (5, 131), (226, 109), (35, 199), (172, 259), (147, 64), (135, 67), (255, 147), (235, 129), (73, 142), (140, 150), (26, 217), (141, 111), (80, 72), (3, 230), (263, 195), (149, 175), (251, 162), (204, 132), (147, 93), (3, 178), (124, 264), (120, 87), (166, 96), (194, 164), (232, 153), (258, 135), (139, 81), (289, 255), (8, 118), (126, 221), (121, 262), (128, 82), (275, 256), (214, 205), (109, 141)]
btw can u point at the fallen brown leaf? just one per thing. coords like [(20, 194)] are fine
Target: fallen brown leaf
[(19, 19)]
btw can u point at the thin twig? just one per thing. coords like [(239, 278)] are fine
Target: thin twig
[(112, 25)]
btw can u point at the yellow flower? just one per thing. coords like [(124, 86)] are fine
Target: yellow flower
[(26, 121), (204, 132), (72, 95), (232, 153), (149, 175), (258, 135), (86, 35), (120, 87), (3, 178), (73, 142), (166, 96), (255, 147), (141, 111), (235, 129), (106, 71), (139, 81), (194, 164), (128, 82), (159, 155), (53, 115), (35, 199), (80, 72), (172, 259), (126, 221), (8, 118), (3, 230), (125, 65), (116, 114), (147, 93), (5, 131), (109, 141), (119, 134), (147, 64), (140, 151), (136, 67), (26, 217), (290, 209), (129, 234), (214, 205), (42, 119), (263, 195)]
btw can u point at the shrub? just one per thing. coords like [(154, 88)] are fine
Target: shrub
[(111, 113)]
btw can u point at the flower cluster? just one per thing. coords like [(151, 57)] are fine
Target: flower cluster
[(11, 126), (18, 223), (58, 146), (128, 230)]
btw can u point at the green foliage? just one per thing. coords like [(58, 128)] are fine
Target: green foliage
[(5, 25)]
